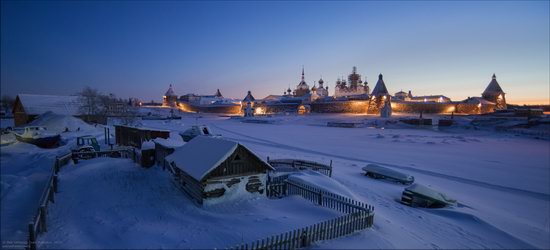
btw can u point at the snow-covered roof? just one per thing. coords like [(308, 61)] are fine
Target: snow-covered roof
[(422, 97), (249, 97), (478, 100), (203, 154), (39, 104), (493, 86), (170, 91), (380, 88), (430, 193), (373, 168), (169, 143)]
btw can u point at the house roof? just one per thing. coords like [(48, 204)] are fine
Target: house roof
[(429, 97), (493, 86), (380, 88), (478, 100), (39, 104), (203, 154), (249, 97), (170, 91)]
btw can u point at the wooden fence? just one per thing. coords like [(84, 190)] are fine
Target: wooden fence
[(303, 237), (326, 199), (358, 216), (276, 186), (297, 164), (38, 224), (126, 152)]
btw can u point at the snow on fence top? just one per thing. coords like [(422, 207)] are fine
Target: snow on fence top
[(39, 104)]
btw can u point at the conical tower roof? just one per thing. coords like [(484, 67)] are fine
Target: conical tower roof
[(493, 87), (380, 88), (170, 91), (218, 93), (249, 97)]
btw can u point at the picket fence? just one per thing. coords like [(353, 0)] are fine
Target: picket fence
[(358, 216), (304, 237)]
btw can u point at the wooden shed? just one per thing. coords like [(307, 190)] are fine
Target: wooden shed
[(132, 136), (164, 148), (208, 168), (27, 107)]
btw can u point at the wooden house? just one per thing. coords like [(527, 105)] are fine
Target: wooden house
[(133, 136), (28, 107), (208, 168), (164, 148)]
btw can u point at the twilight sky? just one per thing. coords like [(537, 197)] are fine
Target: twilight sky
[(136, 49)]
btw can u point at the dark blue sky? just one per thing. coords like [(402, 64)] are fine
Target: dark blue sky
[(136, 49)]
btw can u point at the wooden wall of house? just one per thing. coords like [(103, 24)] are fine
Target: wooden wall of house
[(21, 117), (253, 183), (161, 152), (130, 136), (191, 186), (246, 164)]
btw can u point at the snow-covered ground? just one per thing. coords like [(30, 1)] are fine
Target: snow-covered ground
[(106, 203), (501, 182)]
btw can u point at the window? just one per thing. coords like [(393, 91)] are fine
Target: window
[(237, 157)]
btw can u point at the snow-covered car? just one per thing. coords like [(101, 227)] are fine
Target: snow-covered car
[(379, 172), (418, 195), (194, 131)]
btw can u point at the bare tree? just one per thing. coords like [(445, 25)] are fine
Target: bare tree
[(90, 101), (94, 103)]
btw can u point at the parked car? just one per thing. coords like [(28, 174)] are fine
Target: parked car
[(379, 172)]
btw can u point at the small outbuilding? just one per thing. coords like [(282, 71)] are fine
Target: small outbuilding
[(208, 168), (164, 148), (134, 136)]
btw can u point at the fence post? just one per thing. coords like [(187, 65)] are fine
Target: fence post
[(32, 237), (330, 171), (55, 183), (43, 227), (51, 195), (303, 241), (320, 198), (56, 165)]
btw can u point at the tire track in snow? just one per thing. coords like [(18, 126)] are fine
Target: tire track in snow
[(264, 142)]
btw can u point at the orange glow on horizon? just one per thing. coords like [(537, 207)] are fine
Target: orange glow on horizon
[(528, 101)]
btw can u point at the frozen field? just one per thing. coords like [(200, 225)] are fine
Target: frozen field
[(501, 182)]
